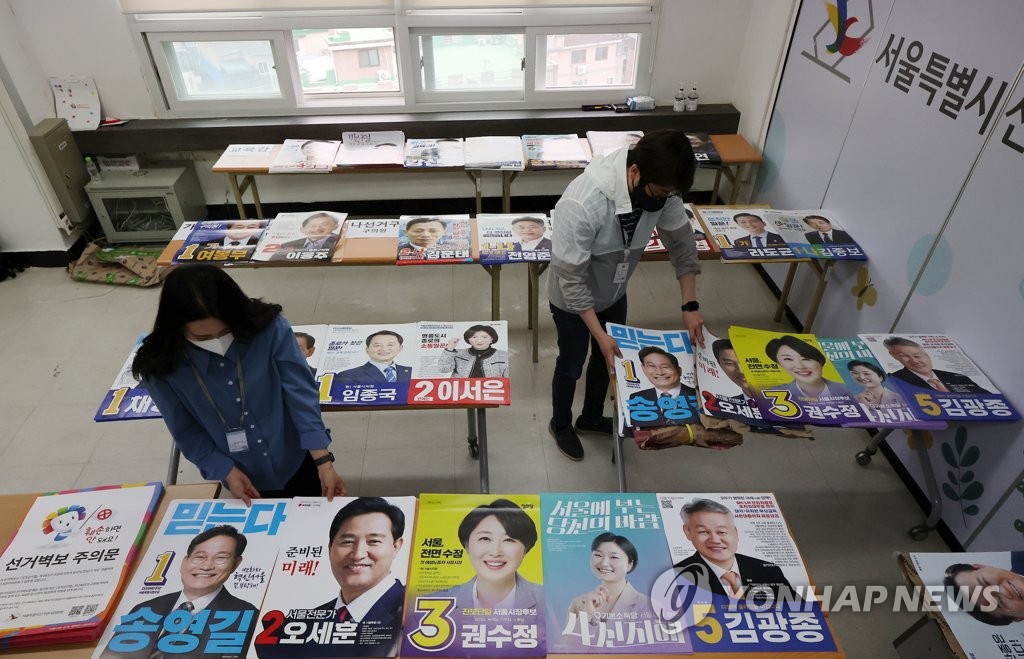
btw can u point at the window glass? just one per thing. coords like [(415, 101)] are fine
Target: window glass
[(222, 69), (472, 62), (339, 61), (572, 60)]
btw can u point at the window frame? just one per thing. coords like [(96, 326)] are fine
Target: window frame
[(406, 25)]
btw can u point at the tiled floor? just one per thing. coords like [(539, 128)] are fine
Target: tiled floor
[(61, 344)]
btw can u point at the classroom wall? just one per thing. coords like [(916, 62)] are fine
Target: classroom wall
[(924, 194), (91, 38)]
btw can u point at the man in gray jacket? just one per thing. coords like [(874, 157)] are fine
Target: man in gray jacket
[(601, 225)]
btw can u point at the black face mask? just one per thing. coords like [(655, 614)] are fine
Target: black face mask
[(640, 199)]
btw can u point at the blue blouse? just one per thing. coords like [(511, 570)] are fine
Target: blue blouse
[(281, 417)]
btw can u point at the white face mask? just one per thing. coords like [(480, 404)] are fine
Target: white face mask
[(219, 345)]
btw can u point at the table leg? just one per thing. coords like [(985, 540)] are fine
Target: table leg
[(737, 179), (819, 293), (233, 179), (471, 438), (864, 457), (481, 423), (718, 181), (531, 311), (172, 465), (495, 292), (507, 177), (472, 174), (620, 463), (935, 514), (536, 270), (786, 287), (256, 197)]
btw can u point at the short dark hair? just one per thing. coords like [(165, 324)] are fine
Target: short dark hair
[(421, 220), (859, 362), (225, 530), (527, 218), (310, 341), (196, 292), (473, 329), (987, 617), (819, 217), (801, 348), (398, 336), (365, 506), (655, 350), (719, 345), (330, 217), (756, 217), (623, 543), (665, 158), (517, 524), (892, 341)]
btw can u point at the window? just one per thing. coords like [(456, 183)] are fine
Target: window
[(566, 56), (335, 61), (250, 57), (480, 62), (368, 57)]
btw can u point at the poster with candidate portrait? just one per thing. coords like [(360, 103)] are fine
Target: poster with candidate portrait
[(300, 237), (654, 378), (793, 378), (476, 580), (939, 378), (221, 241), (338, 584), (367, 364), (68, 561), (744, 233), (977, 596), (461, 363), (603, 555), (433, 239), (738, 579), (513, 237), (197, 591), (127, 398)]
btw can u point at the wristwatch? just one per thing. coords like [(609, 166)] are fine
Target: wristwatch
[(692, 305), (324, 459)]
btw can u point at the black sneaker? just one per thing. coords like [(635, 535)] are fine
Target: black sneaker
[(567, 441), (603, 427)]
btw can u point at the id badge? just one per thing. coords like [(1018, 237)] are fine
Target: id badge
[(621, 273), (237, 441)]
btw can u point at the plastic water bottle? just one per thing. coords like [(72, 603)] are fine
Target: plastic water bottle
[(679, 102), (94, 171), (692, 99)]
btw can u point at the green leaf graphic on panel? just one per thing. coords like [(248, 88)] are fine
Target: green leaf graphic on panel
[(960, 485)]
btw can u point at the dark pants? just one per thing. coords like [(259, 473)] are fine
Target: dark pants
[(305, 483), (573, 341)]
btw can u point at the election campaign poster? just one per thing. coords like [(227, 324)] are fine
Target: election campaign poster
[(603, 554), (513, 237), (338, 586), (127, 398), (68, 561), (198, 589), (476, 581), (433, 239), (220, 242), (300, 237), (738, 582)]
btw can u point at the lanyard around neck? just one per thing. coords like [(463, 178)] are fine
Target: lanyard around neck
[(206, 391)]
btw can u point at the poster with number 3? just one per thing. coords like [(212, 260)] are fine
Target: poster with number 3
[(77, 101)]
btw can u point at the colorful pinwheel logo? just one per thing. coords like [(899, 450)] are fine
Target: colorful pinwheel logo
[(62, 521)]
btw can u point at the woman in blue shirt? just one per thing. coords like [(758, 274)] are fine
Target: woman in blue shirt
[(234, 389)]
